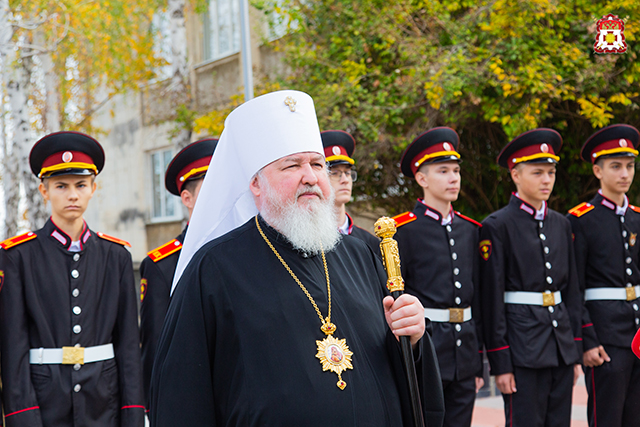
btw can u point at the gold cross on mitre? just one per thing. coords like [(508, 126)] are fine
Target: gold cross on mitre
[(291, 103)]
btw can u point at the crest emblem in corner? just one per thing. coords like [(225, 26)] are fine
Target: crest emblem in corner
[(610, 35)]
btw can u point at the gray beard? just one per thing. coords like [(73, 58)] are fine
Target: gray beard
[(310, 229)]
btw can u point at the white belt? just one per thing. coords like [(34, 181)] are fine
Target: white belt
[(544, 299), (70, 355), (618, 294), (451, 315)]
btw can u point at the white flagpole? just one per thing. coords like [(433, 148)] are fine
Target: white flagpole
[(247, 66)]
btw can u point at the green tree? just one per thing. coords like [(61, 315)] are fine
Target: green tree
[(388, 70)]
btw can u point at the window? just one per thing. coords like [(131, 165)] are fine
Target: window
[(164, 203), (222, 29)]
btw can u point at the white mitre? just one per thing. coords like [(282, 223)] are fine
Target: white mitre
[(256, 134)]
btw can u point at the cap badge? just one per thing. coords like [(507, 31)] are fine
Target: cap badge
[(291, 103), (544, 148), (623, 143), (446, 146), (67, 156), (336, 150)]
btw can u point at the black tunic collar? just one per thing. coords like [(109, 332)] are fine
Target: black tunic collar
[(517, 203), (350, 228), (427, 211), (54, 232), (600, 200), (180, 237)]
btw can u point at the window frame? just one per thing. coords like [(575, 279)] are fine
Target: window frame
[(166, 197)]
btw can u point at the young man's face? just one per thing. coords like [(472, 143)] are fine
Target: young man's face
[(69, 195), (340, 178), (440, 180), (615, 174), (534, 180)]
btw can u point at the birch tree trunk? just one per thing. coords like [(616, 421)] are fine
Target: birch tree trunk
[(179, 66), (51, 113), (11, 172)]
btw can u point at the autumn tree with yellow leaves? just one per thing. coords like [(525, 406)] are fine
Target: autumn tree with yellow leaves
[(62, 62), (387, 70)]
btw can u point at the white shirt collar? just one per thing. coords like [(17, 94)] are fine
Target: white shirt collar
[(344, 228), (75, 246), (540, 212), (447, 220)]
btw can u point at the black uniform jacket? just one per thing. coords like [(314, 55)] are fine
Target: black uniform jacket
[(156, 280), (43, 285), (239, 343), (440, 266), (372, 241), (524, 254), (607, 255)]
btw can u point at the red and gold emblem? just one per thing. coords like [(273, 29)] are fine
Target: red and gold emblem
[(632, 239), (610, 35), (1, 279), (143, 289), (485, 249)]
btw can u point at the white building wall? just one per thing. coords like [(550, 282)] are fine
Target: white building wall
[(121, 205)]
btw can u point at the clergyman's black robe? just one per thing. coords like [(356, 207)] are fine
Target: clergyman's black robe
[(239, 341)]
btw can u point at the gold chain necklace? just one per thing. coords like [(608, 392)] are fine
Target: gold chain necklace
[(334, 354)]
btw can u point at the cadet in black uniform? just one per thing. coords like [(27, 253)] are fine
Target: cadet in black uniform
[(531, 304), (440, 266), (606, 230), (183, 178), (68, 310), (338, 149)]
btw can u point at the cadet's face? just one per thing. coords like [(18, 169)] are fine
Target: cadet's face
[(69, 195), (534, 181), (294, 174), (440, 180), (340, 178), (615, 174)]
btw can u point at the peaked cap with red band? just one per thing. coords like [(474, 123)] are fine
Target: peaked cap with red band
[(612, 141), (338, 147), (535, 146), (192, 162), (66, 153), (433, 146)]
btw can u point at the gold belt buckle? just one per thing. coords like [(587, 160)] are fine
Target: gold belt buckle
[(72, 355), (548, 299), (456, 315), (631, 293)]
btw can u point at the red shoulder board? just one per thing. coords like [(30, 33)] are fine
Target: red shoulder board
[(165, 250), (471, 220), (581, 209), (16, 240), (113, 239), (635, 208), (404, 218)]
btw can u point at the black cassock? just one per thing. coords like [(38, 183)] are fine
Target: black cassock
[(52, 298), (239, 342)]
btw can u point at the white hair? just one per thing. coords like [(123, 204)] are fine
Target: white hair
[(310, 228)]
